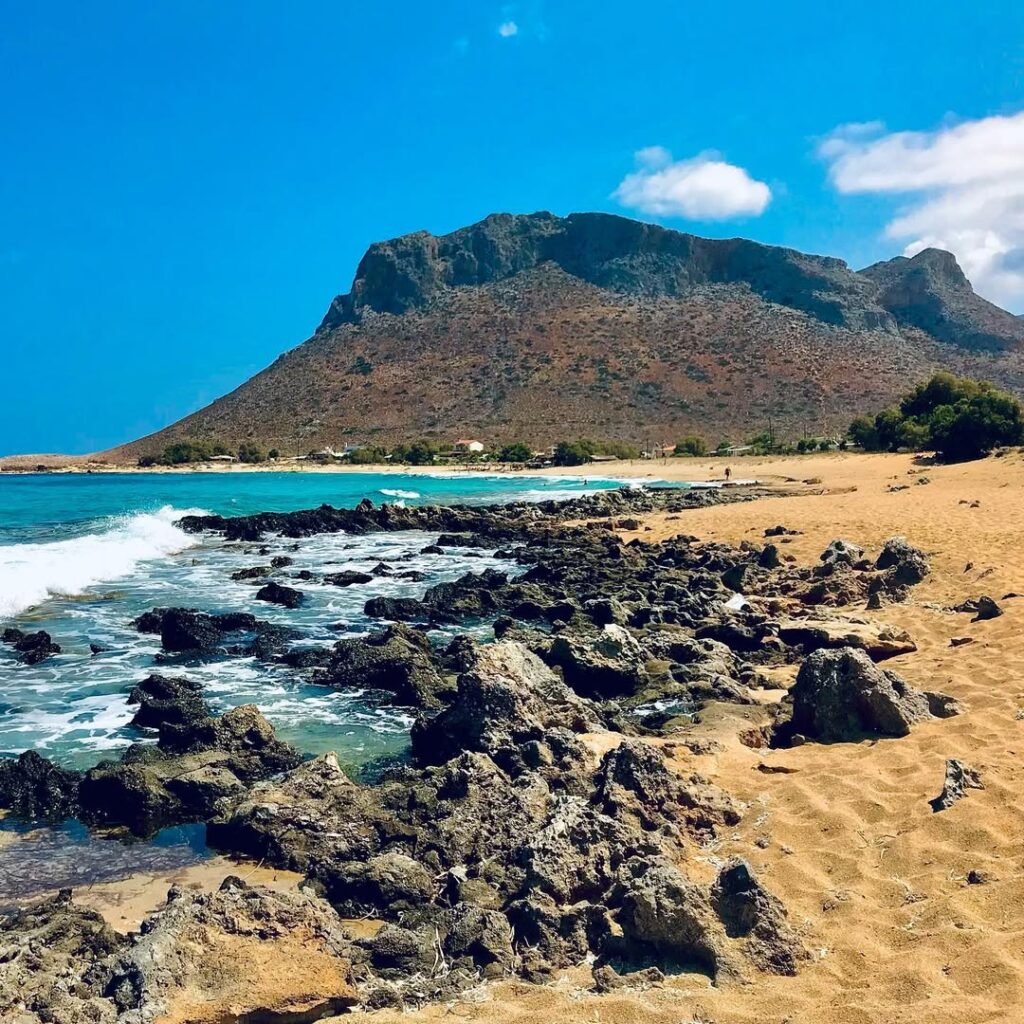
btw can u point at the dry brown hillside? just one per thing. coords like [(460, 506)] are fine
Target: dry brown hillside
[(540, 328)]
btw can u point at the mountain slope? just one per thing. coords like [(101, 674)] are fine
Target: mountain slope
[(540, 327)]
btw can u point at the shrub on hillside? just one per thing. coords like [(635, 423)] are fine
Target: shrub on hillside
[(620, 449), (419, 453)]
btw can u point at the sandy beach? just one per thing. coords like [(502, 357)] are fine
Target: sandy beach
[(874, 881), (651, 470)]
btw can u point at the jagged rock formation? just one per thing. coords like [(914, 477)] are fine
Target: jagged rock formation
[(542, 327), (930, 292), (242, 954)]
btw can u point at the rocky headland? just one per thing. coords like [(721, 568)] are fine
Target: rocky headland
[(541, 328)]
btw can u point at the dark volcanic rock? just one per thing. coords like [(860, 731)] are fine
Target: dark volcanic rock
[(164, 700), (841, 552), (242, 734), (182, 629), (188, 630), (47, 953), (505, 706), (842, 695), (907, 564), (195, 764), (31, 648), (277, 593), (195, 959), (665, 914), (986, 608), (397, 659), (32, 787), (600, 664), (348, 578), (398, 609), (633, 780), (749, 911), (393, 880), (254, 573)]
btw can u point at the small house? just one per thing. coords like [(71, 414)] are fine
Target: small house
[(469, 446)]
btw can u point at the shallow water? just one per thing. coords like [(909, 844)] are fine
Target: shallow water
[(81, 556), (36, 859)]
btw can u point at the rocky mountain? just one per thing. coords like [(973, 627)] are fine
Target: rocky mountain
[(541, 327)]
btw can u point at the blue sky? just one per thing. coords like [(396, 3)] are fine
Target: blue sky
[(184, 186)]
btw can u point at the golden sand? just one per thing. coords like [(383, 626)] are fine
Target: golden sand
[(124, 903), (874, 880)]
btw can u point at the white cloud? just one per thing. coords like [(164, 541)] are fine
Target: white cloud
[(508, 29), (964, 189), (702, 188)]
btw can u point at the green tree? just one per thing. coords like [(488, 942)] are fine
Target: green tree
[(620, 449), (691, 445), (862, 433), (974, 426), (367, 455), (251, 453), (420, 453), (956, 417), (182, 452), (273, 454), (573, 453), (515, 452), (888, 429), (913, 436), (941, 389)]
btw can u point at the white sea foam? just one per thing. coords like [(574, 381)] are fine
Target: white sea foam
[(394, 492), (30, 573)]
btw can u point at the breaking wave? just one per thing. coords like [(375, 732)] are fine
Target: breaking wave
[(31, 573), (394, 492)]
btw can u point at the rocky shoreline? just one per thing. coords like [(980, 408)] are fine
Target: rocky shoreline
[(538, 823)]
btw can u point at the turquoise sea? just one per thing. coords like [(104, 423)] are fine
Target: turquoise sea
[(82, 555)]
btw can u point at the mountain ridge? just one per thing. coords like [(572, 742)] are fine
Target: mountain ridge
[(532, 325)]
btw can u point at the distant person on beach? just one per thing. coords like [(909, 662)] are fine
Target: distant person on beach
[(728, 472)]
